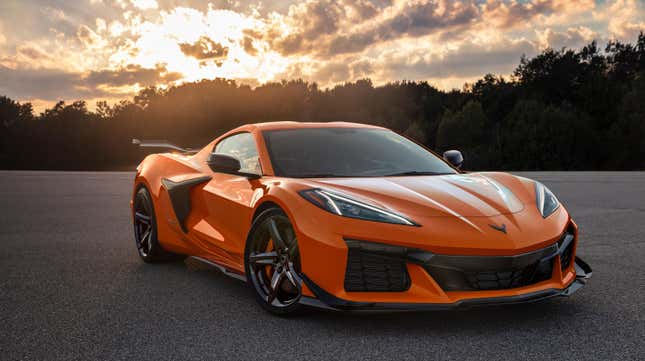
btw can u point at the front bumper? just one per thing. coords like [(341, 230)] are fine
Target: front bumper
[(326, 300)]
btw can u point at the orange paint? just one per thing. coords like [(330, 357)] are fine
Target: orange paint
[(455, 213)]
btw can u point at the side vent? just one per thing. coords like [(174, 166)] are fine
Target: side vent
[(179, 193)]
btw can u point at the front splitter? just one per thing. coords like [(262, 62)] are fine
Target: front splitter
[(326, 300)]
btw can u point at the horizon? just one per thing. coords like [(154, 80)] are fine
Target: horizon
[(111, 49)]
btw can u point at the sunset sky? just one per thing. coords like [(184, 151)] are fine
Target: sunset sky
[(109, 49)]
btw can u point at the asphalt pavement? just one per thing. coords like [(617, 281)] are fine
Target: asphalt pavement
[(73, 288)]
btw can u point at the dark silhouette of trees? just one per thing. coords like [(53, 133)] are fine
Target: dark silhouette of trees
[(467, 129), (561, 110)]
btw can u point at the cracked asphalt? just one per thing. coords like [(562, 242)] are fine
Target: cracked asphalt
[(73, 288)]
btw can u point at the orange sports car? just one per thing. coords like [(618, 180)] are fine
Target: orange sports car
[(349, 216)]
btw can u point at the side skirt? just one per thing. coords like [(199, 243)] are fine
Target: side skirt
[(221, 268)]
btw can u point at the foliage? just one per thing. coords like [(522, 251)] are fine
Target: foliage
[(562, 109)]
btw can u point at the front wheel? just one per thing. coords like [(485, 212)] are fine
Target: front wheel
[(272, 262)]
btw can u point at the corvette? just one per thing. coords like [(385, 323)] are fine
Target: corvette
[(349, 216)]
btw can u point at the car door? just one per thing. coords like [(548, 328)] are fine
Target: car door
[(227, 199)]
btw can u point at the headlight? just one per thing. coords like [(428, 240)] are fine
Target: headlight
[(344, 206), (547, 203)]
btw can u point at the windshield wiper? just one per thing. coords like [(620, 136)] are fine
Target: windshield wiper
[(414, 172)]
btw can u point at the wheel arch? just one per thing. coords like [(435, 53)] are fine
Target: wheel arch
[(263, 206), (271, 201), (140, 183), (268, 202), (274, 198)]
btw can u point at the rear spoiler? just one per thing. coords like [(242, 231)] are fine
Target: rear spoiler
[(162, 144)]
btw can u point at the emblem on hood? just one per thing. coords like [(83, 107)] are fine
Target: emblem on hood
[(501, 228)]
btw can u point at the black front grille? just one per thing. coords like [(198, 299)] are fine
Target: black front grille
[(470, 273), (381, 267), (372, 267), (512, 278)]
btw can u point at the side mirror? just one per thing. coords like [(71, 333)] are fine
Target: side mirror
[(454, 157), (223, 163)]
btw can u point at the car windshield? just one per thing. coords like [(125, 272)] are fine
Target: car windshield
[(348, 152)]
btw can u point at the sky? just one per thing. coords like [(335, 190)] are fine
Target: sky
[(93, 50)]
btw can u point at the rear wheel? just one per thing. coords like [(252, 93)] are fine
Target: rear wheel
[(272, 262), (145, 229)]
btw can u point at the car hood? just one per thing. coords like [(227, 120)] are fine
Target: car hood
[(457, 195)]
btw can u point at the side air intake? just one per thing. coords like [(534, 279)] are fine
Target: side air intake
[(374, 267)]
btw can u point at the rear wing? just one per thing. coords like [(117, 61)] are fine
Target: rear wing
[(162, 144)]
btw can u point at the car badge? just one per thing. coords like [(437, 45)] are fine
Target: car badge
[(501, 228)]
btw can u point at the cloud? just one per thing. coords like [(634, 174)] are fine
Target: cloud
[(247, 43), (339, 72), (32, 52), (362, 9), (89, 38), (572, 38), (144, 4), (413, 20), (330, 73), (129, 75), (101, 25), (468, 60), (509, 14), (51, 84), (310, 21), (204, 48), (111, 47), (626, 18), (328, 28), (3, 38), (121, 3), (46, 84), (310, 26), (447, 66)]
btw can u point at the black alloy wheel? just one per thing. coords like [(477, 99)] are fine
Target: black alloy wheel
[(272, 261)]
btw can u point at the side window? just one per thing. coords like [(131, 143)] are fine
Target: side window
[(242, 147)]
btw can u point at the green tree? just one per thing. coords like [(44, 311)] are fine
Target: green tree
[(627, 135), (465, 130), (539, 136)]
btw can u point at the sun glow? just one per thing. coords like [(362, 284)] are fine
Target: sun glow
[(112, 48), (160, 43)]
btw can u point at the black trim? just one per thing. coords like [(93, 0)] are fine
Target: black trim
[(471, 273), (179, 193), (226, 271), (327, 300), (583, 270)]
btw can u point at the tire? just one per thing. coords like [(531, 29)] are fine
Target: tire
[(272, 263), (145, 229)]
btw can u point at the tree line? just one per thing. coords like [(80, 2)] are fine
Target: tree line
[(560, 110)]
